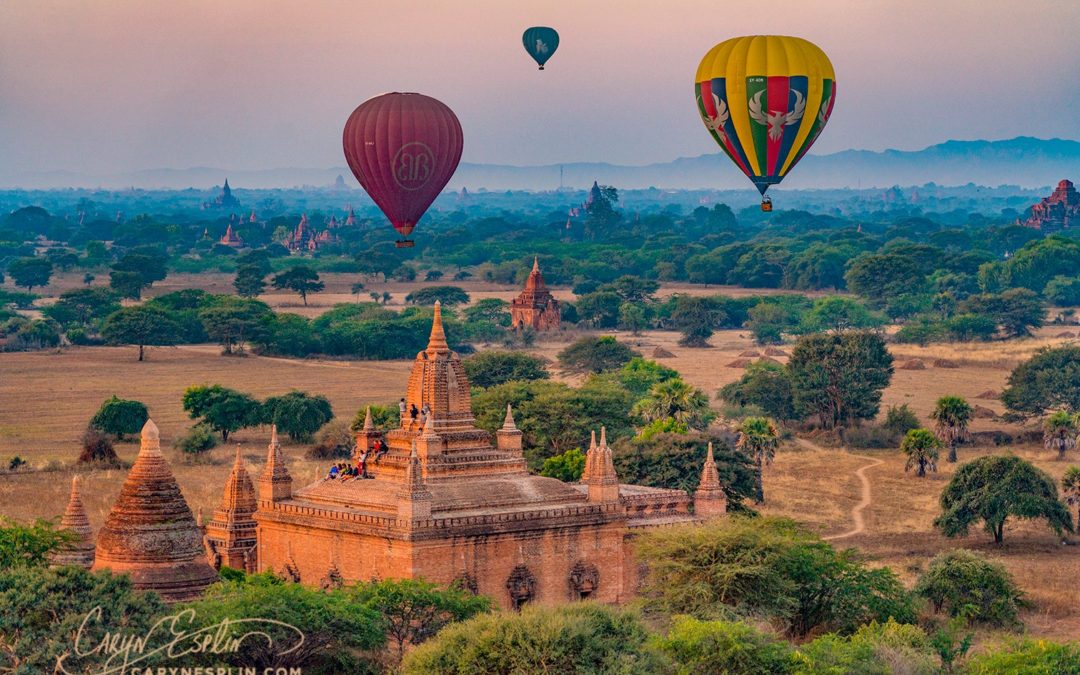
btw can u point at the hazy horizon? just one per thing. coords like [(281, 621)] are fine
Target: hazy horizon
[(244, 85)]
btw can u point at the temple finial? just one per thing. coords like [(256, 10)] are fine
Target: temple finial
[(536, 264), (508, 421), (150, 445), (592, 442), (369, 424), (437, 341), (603, 437)]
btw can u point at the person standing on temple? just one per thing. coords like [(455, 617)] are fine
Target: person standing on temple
[(413, 412), (424, 412), (401, 411), (361, 464)]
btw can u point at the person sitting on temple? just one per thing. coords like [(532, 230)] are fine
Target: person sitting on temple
[(380, 449), (334, 471), (413, 412)]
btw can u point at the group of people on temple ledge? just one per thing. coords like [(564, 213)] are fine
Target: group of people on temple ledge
[(410, 412), (344, 472)]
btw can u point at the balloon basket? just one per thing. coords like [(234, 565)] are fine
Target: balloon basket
[(540, 68), (766, 205), (404, 243)]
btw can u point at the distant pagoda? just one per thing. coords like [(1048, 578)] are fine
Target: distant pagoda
[(535, 307), (150, 533), (1059, 211)]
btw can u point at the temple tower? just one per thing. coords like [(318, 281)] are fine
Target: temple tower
[(275, 483), (81, 551), (150, 533), (508, 438), (709, 498), (232, 531), (602, 481), (535, 307)]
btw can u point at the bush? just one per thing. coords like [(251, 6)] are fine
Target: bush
[(900, 419), (97, 449), (119, 416), (733, 648), (869, 437), (336, 441), (584, 637), (1028, 656), (766, 386), (965, 584), (596, 355), (875, 649), (566, 467), (384, 417), (198, 440)]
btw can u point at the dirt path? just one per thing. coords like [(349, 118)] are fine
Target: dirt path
[(867, 498)]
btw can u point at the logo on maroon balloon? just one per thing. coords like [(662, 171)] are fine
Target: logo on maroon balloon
[(413, 165)]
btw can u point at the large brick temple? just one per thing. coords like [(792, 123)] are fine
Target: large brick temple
[(449, 505), (535, 307)]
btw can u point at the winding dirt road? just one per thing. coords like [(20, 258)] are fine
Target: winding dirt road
[(867, 498)]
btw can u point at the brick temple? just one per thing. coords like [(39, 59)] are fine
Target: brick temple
[(535, 307), (1059, 211), (451, 504)]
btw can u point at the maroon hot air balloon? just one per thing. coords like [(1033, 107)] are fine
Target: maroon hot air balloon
[(403, 148)]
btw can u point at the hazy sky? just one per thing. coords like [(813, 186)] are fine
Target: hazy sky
[(120, 85)]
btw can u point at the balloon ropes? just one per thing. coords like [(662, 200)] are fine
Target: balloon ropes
[(403, 149), (540, 42), (765, 100)]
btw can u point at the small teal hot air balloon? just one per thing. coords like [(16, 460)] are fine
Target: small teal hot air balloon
[(541, 43)]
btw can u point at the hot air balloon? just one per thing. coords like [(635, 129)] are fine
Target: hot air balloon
[(403, 148), (765, 100), (541, 43)]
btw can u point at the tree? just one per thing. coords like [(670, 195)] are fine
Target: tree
[(951, 416), (596, 355), (567, 466), (119, 416), (1017, 310), (633, 289), (879, 277), (42, 609), (921, 448), (766, 386), (695, 318), (732, 647), (840, 377), (335, 628), (900, 419), (414, 610), (448, 296), (599, 309), (677, 400), (584, 637), (768, 322), (148, 262), (1049, 380), (1059, 432), (299, 279), (837, 314), (993, 488), (223, 410), (249, 281), (30, 272), (199, 439), (231, 322), (23, 546), (433, 275), (759, 439), (1070, 488), (632, 318), (492, 368), (82, 306), (357, 289), (143, 326), (1063, 291), (298, 414), (490, 310), (126, 284), (639, 375), (384, 417), (965, 584)]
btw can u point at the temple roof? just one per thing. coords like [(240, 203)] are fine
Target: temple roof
[(238, 500)]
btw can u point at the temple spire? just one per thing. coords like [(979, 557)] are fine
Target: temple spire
[(508, 421), (369, 424), (80, 551), (602, 480), (709, 498), (150, 440), (536, 265), (437, 341), (275, 483)]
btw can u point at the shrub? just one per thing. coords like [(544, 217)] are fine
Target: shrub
[(900, 419), (1028, 656), (492, 368), (197, 440), (766, 386), (596, 355), (384, 417), (874, 649), (566, 467), (966, 584), (734, 648), (869, 436), (335, 442), (97, 448)]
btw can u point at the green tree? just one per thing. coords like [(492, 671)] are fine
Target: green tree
[(126, 284), (993, 488), (492, 368), (119, 416), (1059, 432), (490, 310), (837, 314), (29, 545), (584, 637), (639, 375), (567, 466), (231, 322), (599, 309), (879, 277), (921, 448), (768, 322), (596, 355), (384, 417), (766, 386), (143, 326), (677, 400), (1063, 291), (840, 377), (299, 279), (900, 419), (952, 415), (633, 318), (1017, 310), (730, 647), (298, 414), (82, 306), (966, 584), (1049, 380), (759, 439), (357, 289), (634, 290), (414, 610), (223, 410), (448, 296), (433, 275), (249, 281), (1070, 488), (146, 261), (335, 629), (695, 317), (30, 272), (819, 266), (199, 439)]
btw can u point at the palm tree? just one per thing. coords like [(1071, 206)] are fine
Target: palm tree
[(386, 297), (952, 416), (1070, 486), (356, 289), (677, 400), (759, 439), (921, 448), (1059, 432)]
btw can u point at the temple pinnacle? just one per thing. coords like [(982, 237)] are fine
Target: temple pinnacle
[(369, 424), (437, 341), (150, 442)]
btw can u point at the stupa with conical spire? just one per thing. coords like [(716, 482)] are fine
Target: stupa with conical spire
[(709, 498), (79, 552), (150, 533), (535, 307)]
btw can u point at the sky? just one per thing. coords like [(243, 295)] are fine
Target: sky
[(124, 85)]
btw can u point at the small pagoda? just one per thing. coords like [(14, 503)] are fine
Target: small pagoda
[(80, 551), (535, 307)]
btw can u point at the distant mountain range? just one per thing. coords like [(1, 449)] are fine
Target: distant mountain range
[(1023, 161)]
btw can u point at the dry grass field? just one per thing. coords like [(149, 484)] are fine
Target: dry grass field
[(46, 399)]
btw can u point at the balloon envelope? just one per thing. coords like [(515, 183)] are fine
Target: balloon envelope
[(403, 148), (541, 43), (765, 100)]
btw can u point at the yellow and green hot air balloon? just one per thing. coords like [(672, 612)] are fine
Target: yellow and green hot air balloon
[(765, 100)]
